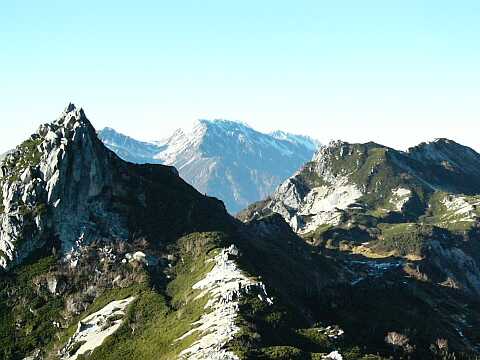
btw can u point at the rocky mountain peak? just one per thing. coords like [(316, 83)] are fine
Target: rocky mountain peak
[(359, 186), (47, 182), (70, 107), (129, 149), (207, 133), (431, 147), (442, 149), (375, 178), (225, 124), (333, 148), (73, 116)]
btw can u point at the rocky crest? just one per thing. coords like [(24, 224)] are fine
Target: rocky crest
[(377, 195), (59, 171), (227, 285), (77, 213)]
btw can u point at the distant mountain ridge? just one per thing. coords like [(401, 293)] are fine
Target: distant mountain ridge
[(225, 159), (129, 149)]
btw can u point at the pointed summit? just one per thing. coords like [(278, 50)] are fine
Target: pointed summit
[(70, 107), (54, 171), (71, 115)]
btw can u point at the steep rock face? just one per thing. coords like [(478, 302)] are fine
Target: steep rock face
[(78, 175), (460, 269), (64, 187), (225, 159), (61, 170)]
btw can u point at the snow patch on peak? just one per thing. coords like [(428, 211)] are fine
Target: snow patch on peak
[(225, 124), (181, 142), (306, 141)]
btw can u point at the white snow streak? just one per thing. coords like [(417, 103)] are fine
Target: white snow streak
[(94, 329), (225, 284)]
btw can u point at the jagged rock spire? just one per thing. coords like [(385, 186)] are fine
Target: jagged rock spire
[(59, 168), (70, 107)]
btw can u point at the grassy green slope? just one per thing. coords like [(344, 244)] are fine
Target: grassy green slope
[(156, 319)]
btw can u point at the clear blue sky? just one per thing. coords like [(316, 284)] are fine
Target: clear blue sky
[(396, 72)]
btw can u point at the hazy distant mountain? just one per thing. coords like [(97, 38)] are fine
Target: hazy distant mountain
[(128, 148), (225, 159)]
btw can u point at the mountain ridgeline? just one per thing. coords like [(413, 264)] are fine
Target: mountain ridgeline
[(399, 215), (225, 159), (422, 204), (365, 253)]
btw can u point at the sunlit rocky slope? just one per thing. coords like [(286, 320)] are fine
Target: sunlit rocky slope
[(413, 216)]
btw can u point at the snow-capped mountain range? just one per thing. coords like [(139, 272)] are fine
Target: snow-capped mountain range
[(225, 159)]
